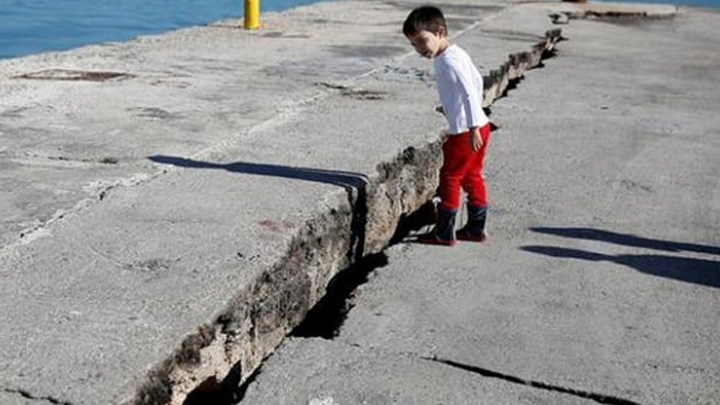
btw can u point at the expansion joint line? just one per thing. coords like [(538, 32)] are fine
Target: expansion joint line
[(29, 396), (599, 398)]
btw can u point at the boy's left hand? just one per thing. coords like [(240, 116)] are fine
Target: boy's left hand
[(476, 141)]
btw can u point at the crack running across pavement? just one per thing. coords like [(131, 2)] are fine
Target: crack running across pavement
[(599, 398), (27, 395), (326, 317)]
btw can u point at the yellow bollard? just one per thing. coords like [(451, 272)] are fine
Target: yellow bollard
[(252, 14)]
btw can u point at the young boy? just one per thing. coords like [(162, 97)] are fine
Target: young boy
[(460, 87)]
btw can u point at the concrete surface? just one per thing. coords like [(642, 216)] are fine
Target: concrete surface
[(163, 230), (601, 280), (300, 373)]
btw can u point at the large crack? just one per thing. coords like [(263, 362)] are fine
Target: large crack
[(322, 260), (505, 77), (599, 398), (327, 316), (378, 213), (27, 395), (226, 353)]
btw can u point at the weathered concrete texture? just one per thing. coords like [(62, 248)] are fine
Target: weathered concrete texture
[(298, 374), (601, 279), (166, 230), (259, 317), (10, 397)]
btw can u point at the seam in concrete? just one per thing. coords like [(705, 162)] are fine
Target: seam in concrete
[(564, 17), (101, 188), (73, 74), (499, 80), (599, 398), (260, 316), (27, 395), (61, 161)]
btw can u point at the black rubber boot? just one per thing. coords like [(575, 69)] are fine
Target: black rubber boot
[(474, 230), (444, 231)]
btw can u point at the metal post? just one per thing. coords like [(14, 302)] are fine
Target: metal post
[(252, 14)]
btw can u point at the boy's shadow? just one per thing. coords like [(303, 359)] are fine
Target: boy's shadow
[(627, 240), (339, 178), (691, 270)]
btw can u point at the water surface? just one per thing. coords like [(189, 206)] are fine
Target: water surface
[(34, 26)]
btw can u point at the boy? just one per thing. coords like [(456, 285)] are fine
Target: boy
[(460, 87)]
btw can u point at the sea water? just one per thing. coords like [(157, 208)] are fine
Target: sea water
[(34, 26)]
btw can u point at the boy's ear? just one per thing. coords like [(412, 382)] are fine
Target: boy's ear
[(441, 32)]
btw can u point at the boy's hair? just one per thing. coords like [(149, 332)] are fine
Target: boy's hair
[(425, 18)]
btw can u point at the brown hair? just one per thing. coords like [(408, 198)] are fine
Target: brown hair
[(425, 18)]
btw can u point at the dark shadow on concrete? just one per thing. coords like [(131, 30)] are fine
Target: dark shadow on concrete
[(355, 185), (627, 240), (327, 316), (323, 320), (335, 177), (211, 391), (689, 270)]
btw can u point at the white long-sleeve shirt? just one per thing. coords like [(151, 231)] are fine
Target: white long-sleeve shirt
[(460, 87)]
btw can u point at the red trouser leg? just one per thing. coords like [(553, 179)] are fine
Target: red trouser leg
[(473, 182), (462, 168)]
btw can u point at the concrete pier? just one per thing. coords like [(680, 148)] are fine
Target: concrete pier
[(174, 206)]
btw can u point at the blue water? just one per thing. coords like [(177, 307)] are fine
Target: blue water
[(34, 26)]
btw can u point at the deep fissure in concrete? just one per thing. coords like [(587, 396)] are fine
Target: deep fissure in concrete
[(27, 395), (600, 398), (225, 392), (324, 320), (259, 317), (328, 315)]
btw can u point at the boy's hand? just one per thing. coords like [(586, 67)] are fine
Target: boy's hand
[(475, 139)]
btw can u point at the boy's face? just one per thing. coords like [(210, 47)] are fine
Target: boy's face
[(428, 44)]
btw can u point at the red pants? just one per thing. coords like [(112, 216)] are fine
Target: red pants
[(463, 168)]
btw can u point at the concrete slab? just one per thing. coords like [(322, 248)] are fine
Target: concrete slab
[(167, 229), (601, 279), (189, 92), (14, 398), (603, 271), (317, 371)]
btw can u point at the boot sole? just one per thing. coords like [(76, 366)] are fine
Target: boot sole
[(471, 238), (435, 241)]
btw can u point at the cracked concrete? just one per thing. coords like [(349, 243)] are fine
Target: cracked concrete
[(185, 257), (10, 396), (600, 398), (184, 264), (299, 374), (600, 281)]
